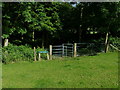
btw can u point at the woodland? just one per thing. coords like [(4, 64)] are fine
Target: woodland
[(39, 24)]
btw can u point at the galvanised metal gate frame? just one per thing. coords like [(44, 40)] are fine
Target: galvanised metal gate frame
[(65, 49), (76, 49)]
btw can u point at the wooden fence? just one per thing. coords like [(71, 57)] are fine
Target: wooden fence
[(74, 50)]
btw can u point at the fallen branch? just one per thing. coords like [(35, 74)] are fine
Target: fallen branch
[(114, 47)]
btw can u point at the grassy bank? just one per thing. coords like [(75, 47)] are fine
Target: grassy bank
[(100, 71)]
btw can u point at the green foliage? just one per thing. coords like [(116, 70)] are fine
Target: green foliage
[(12, 19), (50, 22), (13, 53), (24, 18), (114, 40), (98, 17)]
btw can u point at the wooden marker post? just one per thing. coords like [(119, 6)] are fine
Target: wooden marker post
[(34, 54), (50, 52), (39, 57), (47, 56), (75, 49)]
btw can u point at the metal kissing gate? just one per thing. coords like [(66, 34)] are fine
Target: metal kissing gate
[(63, 50)]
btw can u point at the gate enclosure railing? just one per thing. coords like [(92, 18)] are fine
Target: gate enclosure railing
[(76, 49), (63, 50)]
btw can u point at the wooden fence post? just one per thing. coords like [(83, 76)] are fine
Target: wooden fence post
[(107, 47), (50, 52), (6, 42), (62, 50), (34, 54), (39, 57), (75, 49), (106, 43), (47, 56)]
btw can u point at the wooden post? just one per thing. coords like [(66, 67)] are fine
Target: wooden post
[(106, 43), (62, 50), (75, 49), (34, 54), (66, 50), (50, 52), (47, 56), (107, 47), (6, 42), (39, 57)]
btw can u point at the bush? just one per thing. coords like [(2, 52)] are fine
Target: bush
[(13, 53), (114, 40)]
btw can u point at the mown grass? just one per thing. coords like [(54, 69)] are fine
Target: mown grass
[(100, 71)]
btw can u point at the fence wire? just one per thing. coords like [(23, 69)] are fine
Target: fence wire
[(114, 47), (89, 48), (67, 49)]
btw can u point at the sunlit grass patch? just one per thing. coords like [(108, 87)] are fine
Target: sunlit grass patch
[(100, 71)]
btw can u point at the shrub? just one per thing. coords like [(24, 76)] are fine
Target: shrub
[(14, 53), (115, 41)]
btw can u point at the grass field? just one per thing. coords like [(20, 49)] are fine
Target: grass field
[(100, 71)]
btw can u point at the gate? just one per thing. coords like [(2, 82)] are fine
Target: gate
[(76, 49), (63, 50)]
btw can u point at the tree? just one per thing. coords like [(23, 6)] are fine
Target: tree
[(29, 19), (98, 17), (41, 24), (11, 20)]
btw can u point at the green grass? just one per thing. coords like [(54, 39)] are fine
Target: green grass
[(100, 71)]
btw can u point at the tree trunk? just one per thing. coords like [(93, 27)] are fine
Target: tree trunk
[(80, 27), (46, 39), (34, 54), (43, 40), (6, 42), (106, 42), (33, 36), (80, 33)]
